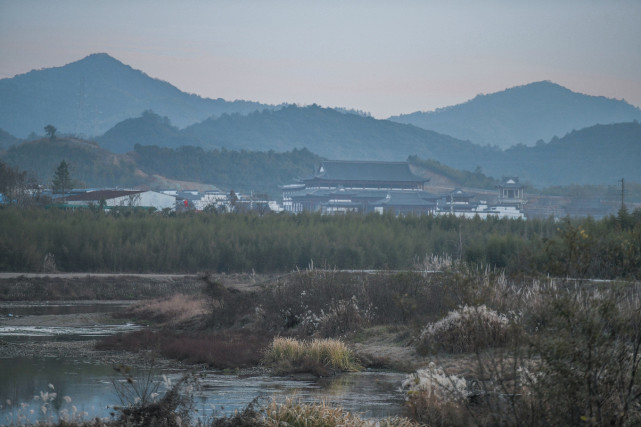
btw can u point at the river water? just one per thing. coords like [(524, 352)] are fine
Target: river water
[(89, 387)]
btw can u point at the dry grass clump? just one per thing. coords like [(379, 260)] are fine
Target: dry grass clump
[(465, 329), (292, 413), (317, 356), (178, 309)]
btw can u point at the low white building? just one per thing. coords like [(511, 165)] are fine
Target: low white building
[(124, 198)]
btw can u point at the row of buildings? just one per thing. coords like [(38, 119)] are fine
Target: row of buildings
[(368, 186), (336, 187), (165, 200)]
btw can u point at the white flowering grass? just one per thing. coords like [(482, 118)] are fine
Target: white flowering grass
[(42, 411), (433, 382), (465, 329)]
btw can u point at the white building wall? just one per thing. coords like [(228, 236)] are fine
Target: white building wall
[(147, 199)]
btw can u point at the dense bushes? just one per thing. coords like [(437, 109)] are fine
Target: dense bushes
[(466, 329), (571, 356), (142, 242)]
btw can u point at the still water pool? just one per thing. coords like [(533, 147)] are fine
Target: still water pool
[(90, 388)]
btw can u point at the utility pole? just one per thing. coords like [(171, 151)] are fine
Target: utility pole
[(622, 193)]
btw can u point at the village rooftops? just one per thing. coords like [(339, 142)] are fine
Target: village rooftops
[(348, 173)]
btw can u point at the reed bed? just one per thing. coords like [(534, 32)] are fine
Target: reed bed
[(297, 355)]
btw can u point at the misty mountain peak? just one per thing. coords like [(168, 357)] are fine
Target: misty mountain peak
[(522, 115), (89, 96), (99, 59)]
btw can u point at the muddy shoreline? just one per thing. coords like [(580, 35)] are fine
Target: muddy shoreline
[(110, 287), (44, 290)]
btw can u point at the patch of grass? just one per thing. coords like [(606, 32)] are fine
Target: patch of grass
[(292, 413), (317, 356)]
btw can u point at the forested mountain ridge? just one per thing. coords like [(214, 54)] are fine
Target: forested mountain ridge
[(600, 154), (595, 155), (323, 131), (89, 96), (522, 115)]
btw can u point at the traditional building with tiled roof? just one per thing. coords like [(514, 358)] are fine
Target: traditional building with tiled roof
[(365, 175), (341, 186)]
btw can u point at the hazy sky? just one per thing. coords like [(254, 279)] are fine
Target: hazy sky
[(385, 57)]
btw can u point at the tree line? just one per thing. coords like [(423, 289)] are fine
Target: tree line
[(141, 242)]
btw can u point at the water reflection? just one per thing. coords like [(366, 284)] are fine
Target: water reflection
[(373, 394)]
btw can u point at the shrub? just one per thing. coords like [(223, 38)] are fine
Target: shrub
[(319, 356), (464, 330)]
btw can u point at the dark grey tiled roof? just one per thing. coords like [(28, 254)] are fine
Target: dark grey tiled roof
[(397, 198), (345, 170)]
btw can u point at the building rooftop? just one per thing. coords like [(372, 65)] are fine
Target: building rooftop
[(413, 198), (510, 182), (347, 170)]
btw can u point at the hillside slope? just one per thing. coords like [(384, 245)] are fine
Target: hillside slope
[(523, 114), (89, 164), (148, 129), (330, 134), (600, 154), (89, 96)]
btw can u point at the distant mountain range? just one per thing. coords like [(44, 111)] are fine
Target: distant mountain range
[(522, 115), (606, 154), (90, 96), (126, 110), (324, 131)]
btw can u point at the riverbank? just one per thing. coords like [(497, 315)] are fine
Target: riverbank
[(113, 286)]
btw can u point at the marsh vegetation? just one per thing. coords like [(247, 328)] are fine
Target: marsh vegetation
[(483, 343)]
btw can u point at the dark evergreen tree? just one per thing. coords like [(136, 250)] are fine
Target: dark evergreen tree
[(61, 178)]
